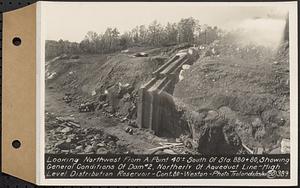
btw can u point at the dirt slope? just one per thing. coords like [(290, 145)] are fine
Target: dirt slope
[(252, 91), (246, 86), (85, 78)]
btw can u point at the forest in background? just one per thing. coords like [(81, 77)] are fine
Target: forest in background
[(187, 30)]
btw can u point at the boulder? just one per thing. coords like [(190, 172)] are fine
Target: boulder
[(89, 149), (101, 150), (63, 145), (66, 130), (141, 54), (285, 146), (102, 97)]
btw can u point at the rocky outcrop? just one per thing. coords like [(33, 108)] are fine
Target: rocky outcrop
[(212, 133)]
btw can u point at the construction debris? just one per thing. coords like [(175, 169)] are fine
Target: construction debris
[(113, 95), (51, 76), (285, 145), (67, 121), (129, 130), (67, 98), (67, 139), (166, 146), (87, 107), (141, 54), (248, 149), (125, 51)]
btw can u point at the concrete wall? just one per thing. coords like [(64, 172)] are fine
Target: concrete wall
[(156, 107)]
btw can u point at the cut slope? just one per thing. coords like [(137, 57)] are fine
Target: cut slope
[(98, 72), (252, 93)]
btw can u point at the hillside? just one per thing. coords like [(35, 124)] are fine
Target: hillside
[(251, 91), (248, 85), (87, 78)]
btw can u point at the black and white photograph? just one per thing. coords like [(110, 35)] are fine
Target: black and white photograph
[(168, 80), (167, 91), (151, 93)]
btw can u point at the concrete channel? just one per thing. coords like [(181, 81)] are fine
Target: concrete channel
[(156, 107)]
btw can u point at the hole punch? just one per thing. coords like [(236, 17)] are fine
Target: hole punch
[(16, 144), (17, 41)]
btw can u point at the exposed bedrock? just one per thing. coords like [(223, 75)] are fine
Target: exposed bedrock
[(211, 132)]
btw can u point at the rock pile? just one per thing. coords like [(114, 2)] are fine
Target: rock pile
[(118, 101), (68, 137)]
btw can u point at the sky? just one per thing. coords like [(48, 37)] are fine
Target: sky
[(71, 21)]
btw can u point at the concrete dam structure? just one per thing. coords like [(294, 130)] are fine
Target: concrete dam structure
[(156, 107)]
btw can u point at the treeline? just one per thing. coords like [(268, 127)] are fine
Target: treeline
[(187, 30)]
